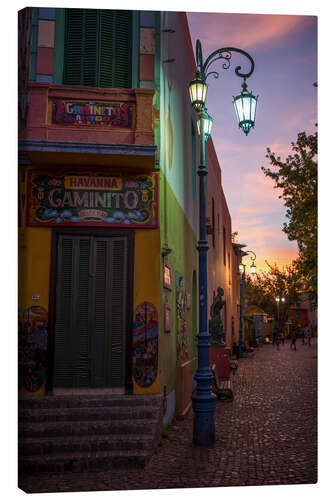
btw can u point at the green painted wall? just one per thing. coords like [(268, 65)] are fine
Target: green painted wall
[(182, 259)]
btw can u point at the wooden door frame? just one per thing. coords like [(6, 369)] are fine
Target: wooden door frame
[(98, 232)]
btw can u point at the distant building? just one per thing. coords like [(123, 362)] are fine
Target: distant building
[(260, 321), (301, 314)]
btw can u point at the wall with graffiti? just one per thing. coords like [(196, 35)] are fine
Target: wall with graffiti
[(32, 344), (145, 344), (181, 324)]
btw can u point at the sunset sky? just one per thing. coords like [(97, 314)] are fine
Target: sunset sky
[(284, 49)]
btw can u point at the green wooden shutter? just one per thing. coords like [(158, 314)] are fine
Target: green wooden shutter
[(72, 335), (81, 313), (64, 369), (115, 49), (99, 306), (90, 48), (98, 47), (118, 250), (73, 47), (107, 49), (123, 49)]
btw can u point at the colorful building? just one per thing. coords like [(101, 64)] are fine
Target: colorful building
[(108, 201), (300, 315)]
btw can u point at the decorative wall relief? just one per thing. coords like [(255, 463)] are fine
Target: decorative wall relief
[(216, 329), (32, 344), (145, 344), (182, 347)]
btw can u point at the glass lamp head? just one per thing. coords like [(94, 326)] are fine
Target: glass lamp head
[(245, 105), (207, 124), (198, 91), (253, 269)]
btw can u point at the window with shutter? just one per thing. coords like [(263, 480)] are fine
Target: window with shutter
[(98, 48)]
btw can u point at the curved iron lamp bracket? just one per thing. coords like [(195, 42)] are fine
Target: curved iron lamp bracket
[(252, 258), (225, 54)]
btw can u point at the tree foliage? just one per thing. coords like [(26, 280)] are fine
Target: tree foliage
[(263, 289), (297, 178)]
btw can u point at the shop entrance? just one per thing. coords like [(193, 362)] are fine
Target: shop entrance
[(91, 322)]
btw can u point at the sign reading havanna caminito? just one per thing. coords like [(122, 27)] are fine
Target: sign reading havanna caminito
[(115, 114), (72, 199)]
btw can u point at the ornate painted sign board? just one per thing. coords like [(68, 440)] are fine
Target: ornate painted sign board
[(72, 199), (93, 114)]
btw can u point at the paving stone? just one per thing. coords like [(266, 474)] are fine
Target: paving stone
[(266, 436)]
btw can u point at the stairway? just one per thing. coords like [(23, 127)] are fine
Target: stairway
[(59, 434)]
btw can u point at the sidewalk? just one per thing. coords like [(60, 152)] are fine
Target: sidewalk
[(266, 436)]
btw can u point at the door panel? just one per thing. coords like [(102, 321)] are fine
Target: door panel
[(118, 310)]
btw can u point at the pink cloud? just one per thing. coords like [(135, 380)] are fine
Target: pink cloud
[(250, 30), (269, 244)]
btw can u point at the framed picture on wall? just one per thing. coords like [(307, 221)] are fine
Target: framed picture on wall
[(167, 276)]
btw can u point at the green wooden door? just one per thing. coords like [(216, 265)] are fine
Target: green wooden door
[(90, 311)]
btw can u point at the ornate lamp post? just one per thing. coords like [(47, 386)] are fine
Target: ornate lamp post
[(203, 401), (241, 268)]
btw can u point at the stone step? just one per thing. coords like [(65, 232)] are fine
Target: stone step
[(101, 427), (87, 413), (65, 444), (90, 401), (82, 462)]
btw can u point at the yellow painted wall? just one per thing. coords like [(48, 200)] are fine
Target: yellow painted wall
[(147, 262), (34, 277), (34, 274)]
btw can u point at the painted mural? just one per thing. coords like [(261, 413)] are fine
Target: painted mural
[(182, 347), (92, 200), (32, 344), (112, 114), (145, 344)]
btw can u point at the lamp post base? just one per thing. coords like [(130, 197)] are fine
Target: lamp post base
[(203, 425)]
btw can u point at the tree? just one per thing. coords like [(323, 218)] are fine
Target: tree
[(263, 288), (297, 177)]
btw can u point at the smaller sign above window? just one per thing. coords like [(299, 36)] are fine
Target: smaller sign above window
[(96, 114)]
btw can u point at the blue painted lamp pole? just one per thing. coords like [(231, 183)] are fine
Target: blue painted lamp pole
[(241, 309), (203, 401)]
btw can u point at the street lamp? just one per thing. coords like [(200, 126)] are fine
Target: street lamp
[(203, 401), (278, 300), (241, 268), (207, 124), (245, 107)]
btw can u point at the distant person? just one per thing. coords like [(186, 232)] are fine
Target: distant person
[(293, 339), (307, 335), (276, 338), (282, 337)]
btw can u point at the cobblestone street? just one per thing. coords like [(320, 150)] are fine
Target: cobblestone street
[(266, 436)]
